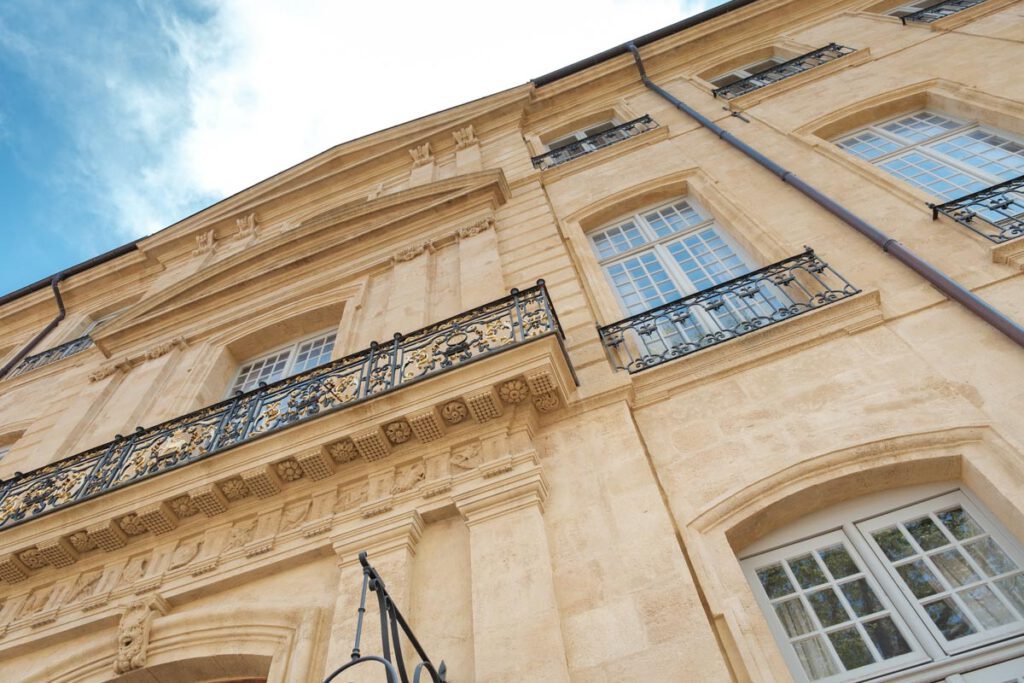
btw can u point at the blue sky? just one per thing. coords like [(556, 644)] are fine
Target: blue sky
[(120, 117)]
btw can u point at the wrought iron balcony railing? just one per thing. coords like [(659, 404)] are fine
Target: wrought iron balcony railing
[(573, 150), (780, 72), (940, 10), (996, 213), (53, 355), (522, 317), (731, 309)]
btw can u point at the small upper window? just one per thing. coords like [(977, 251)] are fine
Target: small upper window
[(910, 8), (284, 362), (745, 71), (96, 322), (906, 587), (581, 134)]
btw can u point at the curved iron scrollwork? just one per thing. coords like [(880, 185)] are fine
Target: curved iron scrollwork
[(391, 620), (780, 72), (939, 10), (728, 310), (519, 318), (996, 213), (53, 355), (573, 150)]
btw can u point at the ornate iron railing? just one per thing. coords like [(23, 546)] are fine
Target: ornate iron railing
[(573, 150), (391, 619), (780, 72), (996, 213), (731, 309), (53, 355), (522, 317), (940, 10)]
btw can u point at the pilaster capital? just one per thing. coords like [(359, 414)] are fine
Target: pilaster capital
[(384, 534), (502, 496)]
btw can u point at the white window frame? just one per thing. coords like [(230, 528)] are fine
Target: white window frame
[(745, 71), (925, 148), (853, 523), (289, 370), (910, 7)]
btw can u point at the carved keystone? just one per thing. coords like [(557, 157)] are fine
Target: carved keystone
[(209, 499), (158, 518), (262, 481), (58, 552), (427, 425), (372, 444), (133, 632), (11, 569), (316, 464), (484, 405), (107, 536)]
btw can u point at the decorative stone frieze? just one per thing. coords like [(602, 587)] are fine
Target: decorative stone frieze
[(454, 412), (427, 425), (183, 506), (247, 225), (107, 536), (316, 464), (475, 229), (289, 470), (408, 477), (12, 570), (133, 632), (545, 403), (234, 489), (372, 444), (343, 451), (81, 541), (206, 242), (409, 253), (127, 363), (209, 499), (514, 391), (484, 405), (57, 552), (398, 432), (158, 518), (263, 482), (32, 558), (132, 525)]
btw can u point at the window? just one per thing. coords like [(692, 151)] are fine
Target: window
[(580, 135), (93, 324), (946, 157), (745, 71), (894, 589), (4, 450), (284, 362), (910, 8)]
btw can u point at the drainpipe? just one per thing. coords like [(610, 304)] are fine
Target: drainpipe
[(951, 288), (55, 285)]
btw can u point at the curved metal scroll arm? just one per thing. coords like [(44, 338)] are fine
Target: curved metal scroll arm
[(391, 619)]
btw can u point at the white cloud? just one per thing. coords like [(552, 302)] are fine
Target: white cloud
[(254, 87)]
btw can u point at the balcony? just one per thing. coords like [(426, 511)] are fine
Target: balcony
[(517, 320), (996, 213), (780, 72), (574, 150), (53, 355), (751, 302), (939, 10)]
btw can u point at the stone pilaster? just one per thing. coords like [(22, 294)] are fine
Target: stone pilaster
[(517, 633), (480, 275), (390, 543)]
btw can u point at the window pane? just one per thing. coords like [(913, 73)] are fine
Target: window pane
[(815, 658), (806, 571), (642, 282), (1013, 588), (986, 607), (984, 150), (775, 581), (827, 606), (893, 543), (959, 523), (919, 579), (838, 561), (313, 353), (851, 648), (618, 239), (794, 617), (989, 556), (921, 126), (869, 145), (887, 638), (931, 175), (861, 598), (949, 618)]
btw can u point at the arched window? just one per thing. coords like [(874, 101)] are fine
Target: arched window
[(945, 156), (931, 583)]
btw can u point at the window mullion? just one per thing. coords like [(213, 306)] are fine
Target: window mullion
[(887, 583)]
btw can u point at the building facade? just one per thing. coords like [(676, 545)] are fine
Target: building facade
[(601, 396)]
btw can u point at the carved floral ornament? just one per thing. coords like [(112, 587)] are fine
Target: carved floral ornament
[(430, 246), (126, 363)]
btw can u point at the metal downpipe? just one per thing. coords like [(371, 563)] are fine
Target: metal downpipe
[(55, 285), (951, 288)]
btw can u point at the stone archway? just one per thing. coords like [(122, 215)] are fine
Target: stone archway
[(211, 669)]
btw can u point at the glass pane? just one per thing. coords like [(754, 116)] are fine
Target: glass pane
[(815, 658), (932, 175), (851, 648), (807, 571), (959, 523), (951, 621), (893, 543), (927, 535), (887, 638), (868, 145), (986, 607), (954, 567), (838, 561), (990, 557), (775, 582), (920, 126), (919, 579), (827, 606), (794, 617), (1013, 589), (861, 598)]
